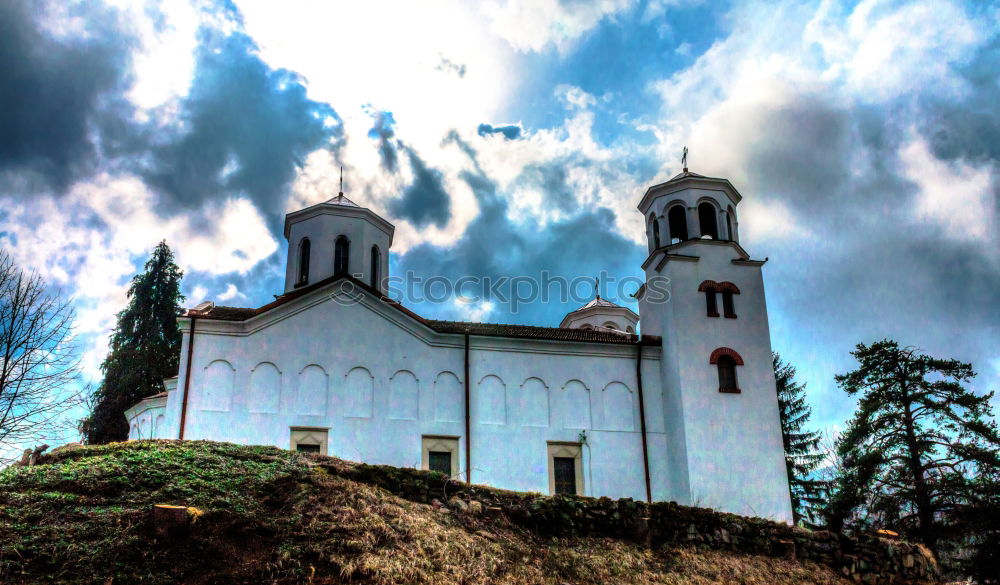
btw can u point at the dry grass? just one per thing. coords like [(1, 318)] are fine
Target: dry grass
[(275, 517)]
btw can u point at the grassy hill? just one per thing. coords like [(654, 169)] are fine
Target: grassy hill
[(266, 515)]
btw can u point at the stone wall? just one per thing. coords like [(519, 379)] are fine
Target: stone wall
[(867, 559)]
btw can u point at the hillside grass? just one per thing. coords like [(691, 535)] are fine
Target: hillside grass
[(273, 516)]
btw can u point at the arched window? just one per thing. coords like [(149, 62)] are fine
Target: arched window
[(710, 287), (304, 246), (376, 266), (727, 374), (656, 231), (586, 327), (707, 220), (725, 360), (677, 223), (728, 289), (730, 220), (611, 325), (341, 251)]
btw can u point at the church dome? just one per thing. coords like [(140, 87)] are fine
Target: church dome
[(601, 314)]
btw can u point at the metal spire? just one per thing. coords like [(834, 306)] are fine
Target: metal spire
[(684, 159), (341, 181)]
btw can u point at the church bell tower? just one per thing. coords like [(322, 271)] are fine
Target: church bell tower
[(704, 295)]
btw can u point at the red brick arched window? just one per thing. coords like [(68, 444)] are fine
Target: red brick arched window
[(710, 287), (728, 289), (725, 360)]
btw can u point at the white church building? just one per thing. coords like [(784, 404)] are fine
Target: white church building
[(686, 411)]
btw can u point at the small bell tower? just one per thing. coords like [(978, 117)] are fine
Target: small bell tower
[(337, 238)]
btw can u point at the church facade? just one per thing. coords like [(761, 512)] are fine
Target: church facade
[(685, 410)]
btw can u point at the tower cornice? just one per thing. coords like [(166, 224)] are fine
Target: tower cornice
[(688, 180)]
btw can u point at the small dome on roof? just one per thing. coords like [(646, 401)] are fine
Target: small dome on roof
[(601, 314)]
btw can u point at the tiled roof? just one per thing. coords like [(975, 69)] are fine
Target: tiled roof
[(599, 302), (686, 175), (533, 332), (459, 327), (341, 200)]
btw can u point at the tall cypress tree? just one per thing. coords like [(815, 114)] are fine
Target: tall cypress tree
[(918, 445), (801, 446), (144, 349)]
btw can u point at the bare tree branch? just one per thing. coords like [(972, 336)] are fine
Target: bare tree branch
[(39, 363)]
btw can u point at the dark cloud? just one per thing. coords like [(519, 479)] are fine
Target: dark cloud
[(495, 247), (243, 128), (871, 268), (384, 131), (54, 93), (550, 179), (509, 131), (425, 201), (247, 128)]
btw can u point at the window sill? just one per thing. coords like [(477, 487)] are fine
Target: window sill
[(300, 284), (730, 390)]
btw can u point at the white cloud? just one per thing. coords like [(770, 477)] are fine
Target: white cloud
[(355, 56), (533, 25), (884, 49), (574, 97), (92, 240), (230, 293), (473, 311), (955, 196)]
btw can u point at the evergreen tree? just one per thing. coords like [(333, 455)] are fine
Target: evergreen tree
[(918, 446), (801, 446), (144, 349)]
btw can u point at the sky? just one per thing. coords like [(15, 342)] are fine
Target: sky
[(508, 137)]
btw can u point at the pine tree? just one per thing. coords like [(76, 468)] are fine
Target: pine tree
[(144, 348), (801, 446), (915, 449)]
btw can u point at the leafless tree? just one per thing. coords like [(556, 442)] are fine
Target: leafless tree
[(39, 363)]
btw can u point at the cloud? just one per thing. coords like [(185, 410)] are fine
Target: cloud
[(55, 89), (384, 133), (957, 197), (450, 66), (230, 293), (508, 131), (245, 129), (425, 200), (536, 25), (862, 142)]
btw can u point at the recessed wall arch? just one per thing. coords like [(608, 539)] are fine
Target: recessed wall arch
[(490, 401), (311, 395), (530, 403), (359, 391), (404, 396), (571, 406), (619, 407), (217, 386), (264, 389), (448, 397)]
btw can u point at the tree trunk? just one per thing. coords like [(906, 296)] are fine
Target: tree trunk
[(925, 514)]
